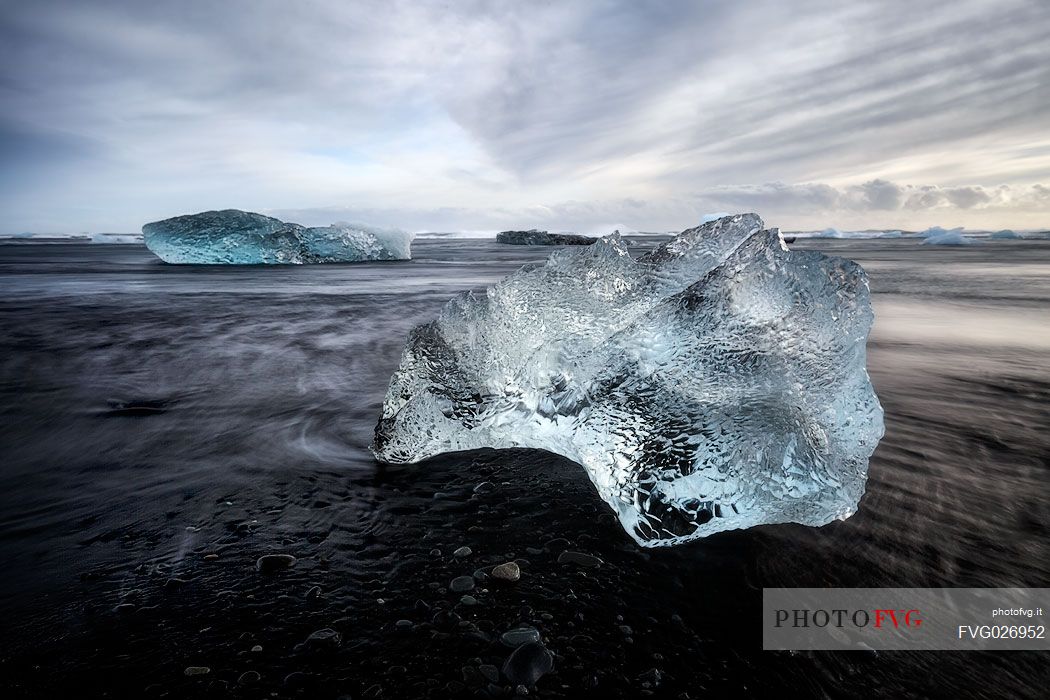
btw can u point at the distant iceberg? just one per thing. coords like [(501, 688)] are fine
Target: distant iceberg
[(536, 237), (234, 237), (829, 233), (939, 231), (953, 237), (1006, 234), (852, 235), (116, 237)]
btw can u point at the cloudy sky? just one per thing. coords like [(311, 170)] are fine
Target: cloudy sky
[(563, 115)]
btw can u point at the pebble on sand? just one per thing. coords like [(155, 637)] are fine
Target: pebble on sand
[(324, 638), (462, 552), (249, 677), (579, 558), (508, 571), (462, 584), (197, 670), (528, 663), (522, 635), (271, 563)]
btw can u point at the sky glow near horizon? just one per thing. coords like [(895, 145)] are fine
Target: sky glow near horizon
[(580, 116)]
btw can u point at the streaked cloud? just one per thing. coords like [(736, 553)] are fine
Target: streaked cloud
[(462, 115)]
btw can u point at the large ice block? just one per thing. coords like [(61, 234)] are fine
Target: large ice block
[(716, 383)]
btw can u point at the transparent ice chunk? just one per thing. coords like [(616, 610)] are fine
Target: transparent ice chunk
[(716, 383)]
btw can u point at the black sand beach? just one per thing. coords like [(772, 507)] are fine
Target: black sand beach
[(166, 427)]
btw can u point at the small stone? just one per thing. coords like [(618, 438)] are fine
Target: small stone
[(508, 571), (326, 638), (272, 563), (197, 670), (527, 664), (652, 677), (295, 680), (521, 690), (556, 543), (435, 552), (249, 678), (211, 557), (469, 600), (462, 552), (490, 672), (485, 487), (257, 648), (403, 624), (522, 635), (445, 618), (579, 558), (461, 584)]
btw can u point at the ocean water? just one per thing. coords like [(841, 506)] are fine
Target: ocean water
[(166, 426)]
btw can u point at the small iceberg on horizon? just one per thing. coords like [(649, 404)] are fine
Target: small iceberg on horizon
[(935, 235), (235, 237), (1006, 235), (116, 238), (829, 233), (536, 237)]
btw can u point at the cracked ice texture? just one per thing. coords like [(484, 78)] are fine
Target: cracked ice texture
[(716, 383), (234, 237)]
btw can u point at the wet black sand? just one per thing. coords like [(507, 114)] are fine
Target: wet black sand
[(165, 428)]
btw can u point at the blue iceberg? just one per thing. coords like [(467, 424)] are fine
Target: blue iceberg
[(715, 383), (1006, 235), (953, 237), (234, 237)]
